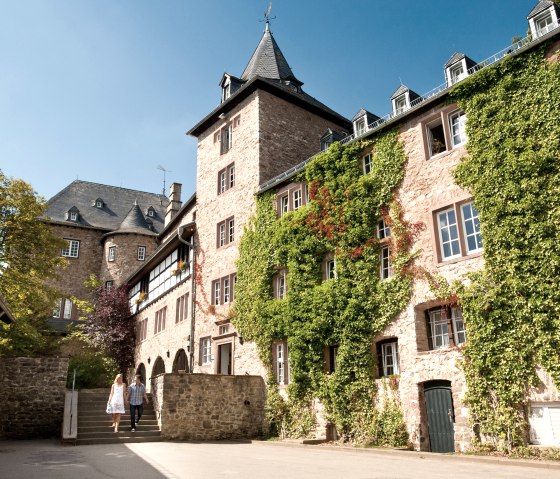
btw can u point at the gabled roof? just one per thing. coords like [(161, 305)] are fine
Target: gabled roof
[(539, 7), (458, 56), (369, 116), (403, 89), (269, 62), (116, 208)]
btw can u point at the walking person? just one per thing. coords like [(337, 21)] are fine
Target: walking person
[(116, 400), (135, 395)]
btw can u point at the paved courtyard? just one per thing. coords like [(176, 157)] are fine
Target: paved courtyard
[(46, 459)]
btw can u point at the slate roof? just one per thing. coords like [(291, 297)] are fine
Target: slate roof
[(457, 57), (403, 89), (135, 222), (117, 204), (369, 116), (539, 7), (269, 62)]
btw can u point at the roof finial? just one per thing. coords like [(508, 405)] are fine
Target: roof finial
[(267, 17)]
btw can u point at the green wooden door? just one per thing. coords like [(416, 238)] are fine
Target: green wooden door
[(439, 406)]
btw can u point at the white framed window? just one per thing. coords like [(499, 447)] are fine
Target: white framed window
[(367, 163), (73, 216), (457, 73), (280, 286), (544, 423), (385, 269), (436, 138), (205, 350), (72, 250), (458, 326), (222, 181), (231, 175), (281, 364), (142, 330), (471, 228), (57, 309), (108, 285), (544, 23), (401, 105), (222, 234), (226, 139), (390, 362), (360, 126), (182, 308), (446, 324), (284, 205), (383, 231), (231, 230), (112, 253), (297, 199), (223, 290), (438, 328), (68, 306), (99, 204), (454, 240), (331, 269), (217, 292), (226, 178), (457, 124), (159, 324), (226, 290), (225, 232), (151, 212), (141, 253)]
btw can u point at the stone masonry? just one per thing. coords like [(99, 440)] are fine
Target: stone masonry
[(34, 390), (204, 407)]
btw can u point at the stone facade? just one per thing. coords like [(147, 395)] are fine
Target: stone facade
[(202, 407), (34, 390)]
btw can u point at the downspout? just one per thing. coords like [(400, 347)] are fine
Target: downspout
[(193, 293)]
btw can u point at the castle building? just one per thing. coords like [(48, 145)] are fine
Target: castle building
[(258, 141)]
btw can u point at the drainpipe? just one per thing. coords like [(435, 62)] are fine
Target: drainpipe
[(193, 293)]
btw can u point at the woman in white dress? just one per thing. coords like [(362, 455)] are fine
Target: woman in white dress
[(116, 400)]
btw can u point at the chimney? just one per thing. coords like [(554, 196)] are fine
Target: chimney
[(174, 202)]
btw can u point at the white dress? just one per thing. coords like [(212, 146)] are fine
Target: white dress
[(117, 401)]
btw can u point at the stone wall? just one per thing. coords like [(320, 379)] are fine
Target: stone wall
[(209, 407), (33, 391)]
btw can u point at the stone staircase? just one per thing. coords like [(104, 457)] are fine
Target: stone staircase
[(94, 424)]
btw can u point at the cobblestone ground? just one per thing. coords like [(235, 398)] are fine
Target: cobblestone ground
[(174, 460)]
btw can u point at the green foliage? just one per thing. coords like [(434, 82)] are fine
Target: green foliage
[(512, 308), (348, 311), (27, 338), (93, 370), (29, 251)]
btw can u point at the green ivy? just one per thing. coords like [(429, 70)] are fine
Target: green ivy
[(512, 307), (348, 311)]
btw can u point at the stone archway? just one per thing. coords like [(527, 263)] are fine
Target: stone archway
[(181, 362)]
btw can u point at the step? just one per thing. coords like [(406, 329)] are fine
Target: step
[(122, 433), (118, 440), (107, 427), (107, 420)]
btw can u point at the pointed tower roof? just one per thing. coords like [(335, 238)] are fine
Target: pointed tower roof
[(269, 62), (135, 222)]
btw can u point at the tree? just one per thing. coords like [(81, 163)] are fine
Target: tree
[(110, 326), (29, 254)]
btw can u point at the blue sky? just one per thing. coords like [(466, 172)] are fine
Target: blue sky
[(104, 90)]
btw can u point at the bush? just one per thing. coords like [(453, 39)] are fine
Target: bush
[(93, 370)]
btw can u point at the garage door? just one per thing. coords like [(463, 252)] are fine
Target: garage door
[(544, 423)]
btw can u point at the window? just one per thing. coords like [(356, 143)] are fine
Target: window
[(279, 283), (385, 269), (73, 216), (330, 269), (544, 23), (226, 178), (360, 126), (401, 104), (99, 204), (457, 122), (181, 311), (284, 205), (223, 290), (112, 253), (456, 73), (332, 358), (141, 253), (72, 250), (108, 285), (383, 231), (223, 329), (159, 325), (225, 232), (205, 351), (151, 212), (280, 361), (454, 241), (226, 139), (367, 163), (388, 357), (445, 327), (68, 305), (56, 310), (297, 199), (142, 330), (436, 138), (236, 121)]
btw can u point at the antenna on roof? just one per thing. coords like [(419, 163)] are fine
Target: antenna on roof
[(159, 167)]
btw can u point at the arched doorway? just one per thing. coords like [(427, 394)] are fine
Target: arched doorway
[(141, 369), (159, 367), (441, 415), (180, 363)]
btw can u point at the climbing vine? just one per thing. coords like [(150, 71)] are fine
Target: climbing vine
[(349, 311), (512, 307)]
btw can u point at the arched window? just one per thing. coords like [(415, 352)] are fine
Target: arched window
[(181, 362), (141, 369)]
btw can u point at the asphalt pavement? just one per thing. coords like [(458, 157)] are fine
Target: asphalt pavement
[(46, 459)]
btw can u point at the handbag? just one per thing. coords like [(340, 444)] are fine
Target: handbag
[(109, 409)]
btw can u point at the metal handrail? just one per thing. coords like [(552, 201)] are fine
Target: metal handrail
[(72, 400)]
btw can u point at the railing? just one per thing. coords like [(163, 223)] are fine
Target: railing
[(514, 47), (72, 400)]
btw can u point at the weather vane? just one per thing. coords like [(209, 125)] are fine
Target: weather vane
[(267, 15), (160, 167)]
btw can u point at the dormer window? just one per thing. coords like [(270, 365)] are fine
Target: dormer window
[(456, 73), (403, 99), (458, 68), (543, 24), (329, 137), (543, 18), (400, 104), (73, 214), (150, 212), (360, 126), (99, 204), (229, 85)]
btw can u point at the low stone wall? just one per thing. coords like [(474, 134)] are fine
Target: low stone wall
[(33, 390), (207, 407)]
